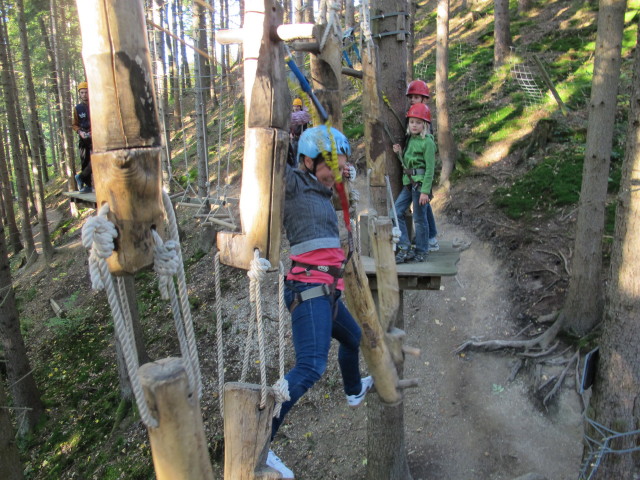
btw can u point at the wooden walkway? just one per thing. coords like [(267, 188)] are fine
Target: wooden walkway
[(423, 275), (84, 198)]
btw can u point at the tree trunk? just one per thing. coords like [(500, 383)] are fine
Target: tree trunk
[(26, 397), (212, 51), (161, 90), (186, 76), (298, 12), (174, 69), (584, 305), (501, 32), (7, 198), (199, 71), (9, 457), (447, 149), (411, 41), (349, 14), (616, 393), (37, 159), (57, 138), (16, 152), (308, 11), (57, 34)]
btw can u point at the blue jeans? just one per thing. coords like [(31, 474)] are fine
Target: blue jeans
[(431, 222), (408, 195), (313, 327)]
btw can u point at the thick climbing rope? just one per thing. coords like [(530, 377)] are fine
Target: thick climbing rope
[(395, 231), (258, 269), (281, 387), (219, 339), (98, 235), (365, 26)]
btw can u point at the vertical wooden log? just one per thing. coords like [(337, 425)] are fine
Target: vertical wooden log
[(386, 449), (386, 273), (374, 348), (267, 112), (125, 126), (178, 445), (247, 431), (376, 138), (326, 74)]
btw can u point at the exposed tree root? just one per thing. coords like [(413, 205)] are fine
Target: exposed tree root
[(533, 348), (542, 341)]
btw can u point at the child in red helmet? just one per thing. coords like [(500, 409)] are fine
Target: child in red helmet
[(418, 92), (418, 163)]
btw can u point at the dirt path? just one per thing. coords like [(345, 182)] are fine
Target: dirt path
[(464, 421)]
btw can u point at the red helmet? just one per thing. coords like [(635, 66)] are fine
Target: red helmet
[(418, 87), (421, 111)]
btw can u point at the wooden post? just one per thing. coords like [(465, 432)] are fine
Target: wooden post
[(178, 445), (374, 347), (267, 113), (326, 74), (385, 423), (247, 432), (125, 126)]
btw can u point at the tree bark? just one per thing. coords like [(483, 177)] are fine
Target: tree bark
[(16, 152), (9, 457), (186, 76), (616, 393), (447, 149), (57, 35), (199, 72), (583, 306), (37, 159), (7, 198), (25, 394), (501, 32)]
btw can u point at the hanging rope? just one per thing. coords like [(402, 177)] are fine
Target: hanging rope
[(281, 387), (219, 341), (256, 273), (180, 303), (365, 26), (98, 234)]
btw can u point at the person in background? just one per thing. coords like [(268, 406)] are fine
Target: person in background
[(418, 163), (418, 92), (314, 284), (82, 126), (299, 122)]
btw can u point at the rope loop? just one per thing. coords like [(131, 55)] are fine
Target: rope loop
[(258, 267), (166, 262), (98, 234)]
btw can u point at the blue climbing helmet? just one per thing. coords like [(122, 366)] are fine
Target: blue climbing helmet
[(317, 140)]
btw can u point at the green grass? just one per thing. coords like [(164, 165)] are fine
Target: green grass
[(553, 183)]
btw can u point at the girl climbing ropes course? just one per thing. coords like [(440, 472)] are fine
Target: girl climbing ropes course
[(314, 284)]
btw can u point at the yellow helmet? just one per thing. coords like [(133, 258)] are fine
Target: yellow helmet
[(297, 102), (82, 85)]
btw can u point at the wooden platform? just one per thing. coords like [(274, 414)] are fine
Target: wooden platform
[(423, 275), (86, 198)]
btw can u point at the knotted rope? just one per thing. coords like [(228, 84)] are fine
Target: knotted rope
[(333, 23), (98, 234), (281, 387)]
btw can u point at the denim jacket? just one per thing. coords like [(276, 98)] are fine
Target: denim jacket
[(310, 220)]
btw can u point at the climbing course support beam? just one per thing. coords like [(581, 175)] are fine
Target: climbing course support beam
[(267, 109), (125, 127)]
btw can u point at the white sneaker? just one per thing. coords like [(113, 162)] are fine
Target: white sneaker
[(274, 462), (356, 400), (434, 246)]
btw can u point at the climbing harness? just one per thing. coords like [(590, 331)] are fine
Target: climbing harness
[(98, 235)]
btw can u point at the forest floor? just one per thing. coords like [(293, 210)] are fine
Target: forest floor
[(466, 420)]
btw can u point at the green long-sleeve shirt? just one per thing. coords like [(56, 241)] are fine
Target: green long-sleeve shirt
[(420, 153)]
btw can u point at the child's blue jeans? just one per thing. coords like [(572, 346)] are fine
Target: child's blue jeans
[(407, 196), (313, 327)]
